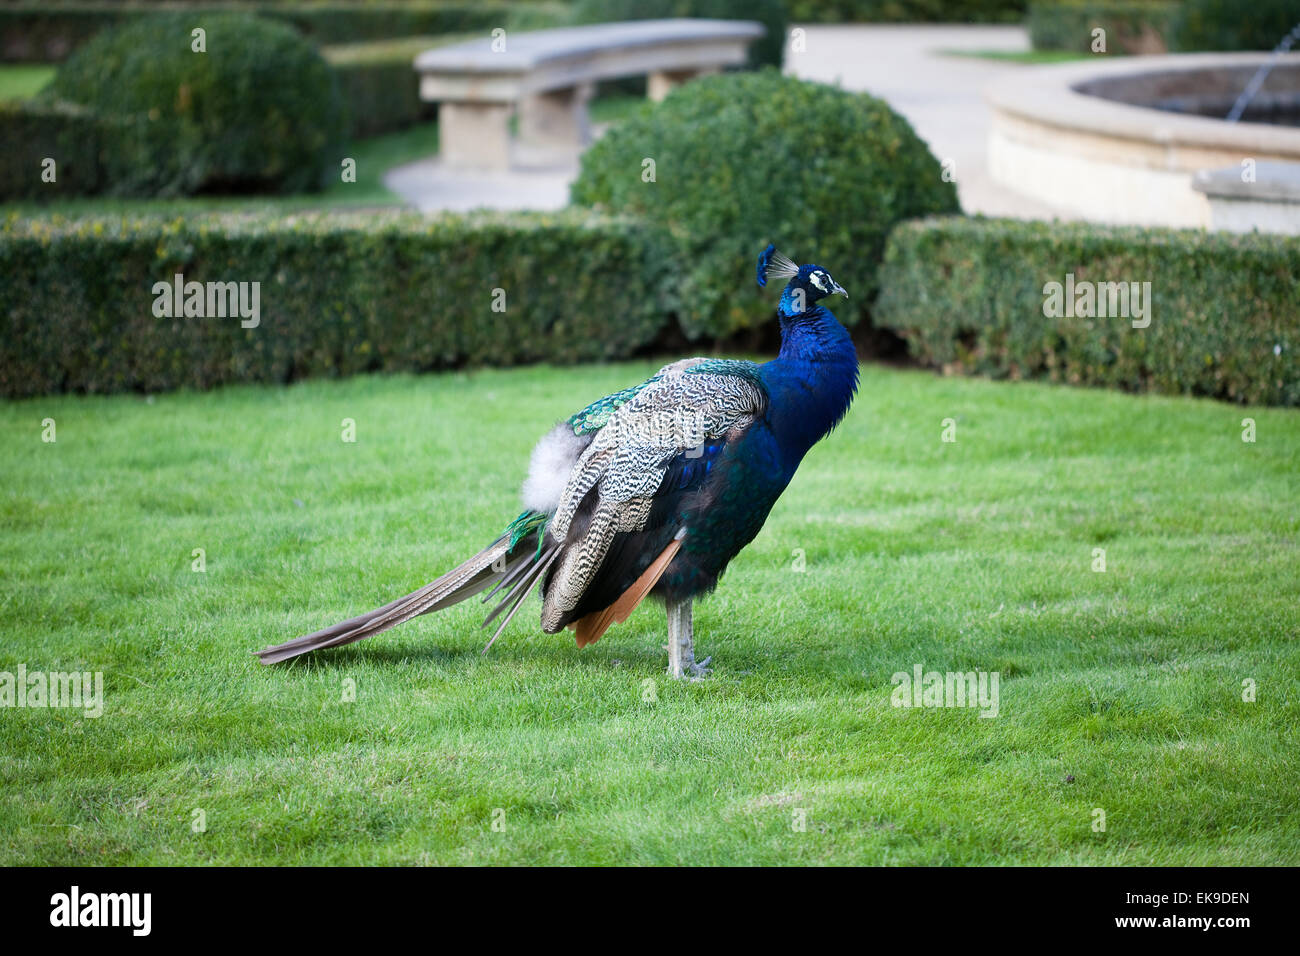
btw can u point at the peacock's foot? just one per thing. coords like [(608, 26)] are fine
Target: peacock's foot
[(681, 644), (689, 668), (701, 669)]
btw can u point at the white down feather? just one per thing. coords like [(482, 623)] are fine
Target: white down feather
[(549, 466)]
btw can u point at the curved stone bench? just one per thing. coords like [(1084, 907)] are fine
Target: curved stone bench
[(549, 76)]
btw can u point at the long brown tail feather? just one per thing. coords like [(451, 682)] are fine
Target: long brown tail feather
[(515, 590), (461, 582), (523, 570), (522, 589), (590, 628), (512, 572)]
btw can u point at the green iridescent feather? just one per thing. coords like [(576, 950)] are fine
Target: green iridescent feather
[(747, 370), (526, 524), (596, 415)]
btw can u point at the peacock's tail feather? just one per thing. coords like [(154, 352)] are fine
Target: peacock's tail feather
[(512, 565)]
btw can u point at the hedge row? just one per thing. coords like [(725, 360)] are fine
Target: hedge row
[(970, 295), (379, 83), (906, 11), (342, 293), (339, 294), (1132, 26), (1232, 25), (69, 135), (41, 31)]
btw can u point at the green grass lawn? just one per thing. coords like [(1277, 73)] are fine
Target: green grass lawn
[(615, 107), (21, 81), (1120, 691), (1028, 57)]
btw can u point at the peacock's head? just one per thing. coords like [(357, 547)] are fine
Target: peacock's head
[(807, 283)]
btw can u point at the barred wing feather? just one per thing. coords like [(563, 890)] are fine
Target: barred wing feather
[(613, 483)]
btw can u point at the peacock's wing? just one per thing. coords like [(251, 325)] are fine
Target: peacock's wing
[(642, 446)]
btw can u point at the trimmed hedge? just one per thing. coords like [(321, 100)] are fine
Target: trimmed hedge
[(767, 50), (379, 83), (40, 31), (70, 135), (339, 294), (906, 11), (1233, 24), (1132, 26), (968, 295), (746, 158), (259, 110)]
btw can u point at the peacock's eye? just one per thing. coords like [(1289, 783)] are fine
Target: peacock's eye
[(818, 279)]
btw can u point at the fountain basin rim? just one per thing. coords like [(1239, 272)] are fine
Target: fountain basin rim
[(1046, 95)]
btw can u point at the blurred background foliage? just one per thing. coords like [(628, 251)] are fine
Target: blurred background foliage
[(228, 165)]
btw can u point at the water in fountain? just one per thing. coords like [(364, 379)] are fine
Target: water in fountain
[(1261, 74)]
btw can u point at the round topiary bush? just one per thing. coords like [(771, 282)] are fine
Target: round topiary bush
[(767, 50), (258, 111), (728, 163)]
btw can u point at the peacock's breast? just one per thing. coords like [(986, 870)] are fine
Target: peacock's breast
[(729, 512)]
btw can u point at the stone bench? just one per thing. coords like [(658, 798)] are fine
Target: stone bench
[(549, 76), (1268, 200)]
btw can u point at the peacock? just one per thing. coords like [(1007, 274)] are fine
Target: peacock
[(653, 489)]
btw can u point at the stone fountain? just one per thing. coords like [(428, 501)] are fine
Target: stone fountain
[(1145, 140)]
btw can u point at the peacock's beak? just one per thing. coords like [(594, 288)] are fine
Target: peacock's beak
[(836, 287)]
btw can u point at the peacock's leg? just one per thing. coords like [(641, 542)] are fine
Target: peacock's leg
[(681, 642)]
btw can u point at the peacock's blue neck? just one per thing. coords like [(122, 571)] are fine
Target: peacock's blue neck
[(792, 302), (811, 382)]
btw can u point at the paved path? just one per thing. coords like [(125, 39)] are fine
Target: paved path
[(939, 95), (430, 187)]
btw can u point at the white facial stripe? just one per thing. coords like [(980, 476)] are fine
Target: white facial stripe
[(816, 279)]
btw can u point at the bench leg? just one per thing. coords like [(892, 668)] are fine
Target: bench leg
[(475, 135), (556, 120), (662, 82)]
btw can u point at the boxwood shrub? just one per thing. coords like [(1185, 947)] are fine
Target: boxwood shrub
[(259, 110), (968, 295), (741, 159), (339, 294)]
